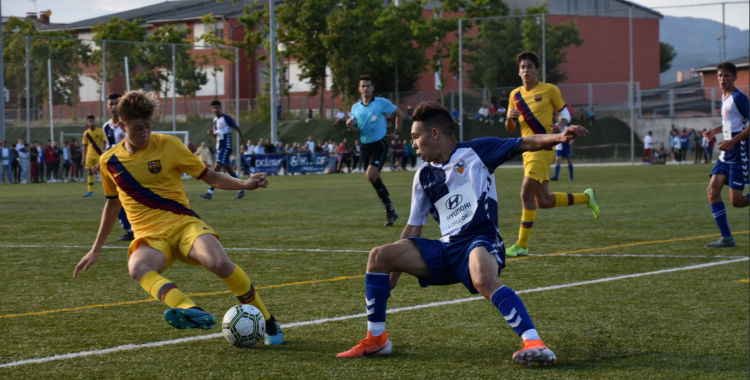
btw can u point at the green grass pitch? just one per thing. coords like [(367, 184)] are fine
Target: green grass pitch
[(667, 325)]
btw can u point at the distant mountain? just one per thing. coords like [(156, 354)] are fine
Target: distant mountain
[(694, 40)]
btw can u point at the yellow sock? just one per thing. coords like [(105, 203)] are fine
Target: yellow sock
[(239, 283), (570, 199), (91, 183), (165, 291), (527, 221)]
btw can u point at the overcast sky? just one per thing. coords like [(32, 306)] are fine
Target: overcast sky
[(65, 11)]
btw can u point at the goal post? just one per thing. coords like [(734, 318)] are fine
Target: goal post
[(184, 135)]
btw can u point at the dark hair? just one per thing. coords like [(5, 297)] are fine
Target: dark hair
[(138, 105), (728, 66), (215, 103), (531, 56), (365, 77), (113, 96), (90, 117), (434, 116)]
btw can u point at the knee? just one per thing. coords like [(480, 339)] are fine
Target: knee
[(486, 285), (222, 266), (372, 177), (378, 259), (138, 270), (737, 201), (712, 193)]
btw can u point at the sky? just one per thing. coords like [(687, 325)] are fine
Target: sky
[(66, 11)]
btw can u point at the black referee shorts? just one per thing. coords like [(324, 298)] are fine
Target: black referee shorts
[(373, 154)]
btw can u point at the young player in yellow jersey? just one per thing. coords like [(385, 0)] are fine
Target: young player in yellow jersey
[(534, 105), (93, 146), (143, 174)]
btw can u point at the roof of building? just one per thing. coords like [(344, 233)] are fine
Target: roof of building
[(739, 62)]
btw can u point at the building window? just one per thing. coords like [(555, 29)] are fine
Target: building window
[(200, 28)]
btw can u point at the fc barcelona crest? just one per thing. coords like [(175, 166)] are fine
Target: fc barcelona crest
[(459, 167), (154, 167), (538, 97)]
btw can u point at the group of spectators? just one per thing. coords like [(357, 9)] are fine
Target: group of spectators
[(36, 163), (691, 142)]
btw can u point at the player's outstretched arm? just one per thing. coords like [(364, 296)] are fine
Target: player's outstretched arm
[(539, 142), (227, 182), (109, 215)]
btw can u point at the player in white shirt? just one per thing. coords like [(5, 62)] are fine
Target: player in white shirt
[(223, 125), (456, 186), (732, 166)]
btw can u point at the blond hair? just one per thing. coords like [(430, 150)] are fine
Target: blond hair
[(135, 105)]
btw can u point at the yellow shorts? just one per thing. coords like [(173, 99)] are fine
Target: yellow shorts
[(91, 161), (176, 242), (536, 165)]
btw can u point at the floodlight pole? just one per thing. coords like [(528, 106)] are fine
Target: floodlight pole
[(2, 87), (544, 47), (127, 75), (272, 69), (630, 91), (174, 88), (460, 82), (28, 96), (723, 34), (103, 111), (51, 110), (237, 106)]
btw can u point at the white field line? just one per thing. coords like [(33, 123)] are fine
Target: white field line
[(362, 251), (130, 347)]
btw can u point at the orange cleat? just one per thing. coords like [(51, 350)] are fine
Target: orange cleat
[(370, 346), (534, 351)]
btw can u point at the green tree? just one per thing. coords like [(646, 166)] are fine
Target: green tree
[(114, 30), (67, 57), (558, 37), (666, 55)]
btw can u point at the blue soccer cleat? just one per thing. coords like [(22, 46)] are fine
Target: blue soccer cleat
[(88, 195), (274, 336), (192, 318)]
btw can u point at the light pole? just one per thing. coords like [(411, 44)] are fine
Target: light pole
[(282, 49)]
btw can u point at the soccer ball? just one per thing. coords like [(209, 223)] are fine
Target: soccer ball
[(243, 326)]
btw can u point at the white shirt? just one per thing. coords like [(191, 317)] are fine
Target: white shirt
[(647, 142), (251, 149), (6, 155), (310, 146), (340, 115), (484, 111), (66, 153), (41, 154), (113, 133), (260, 149)]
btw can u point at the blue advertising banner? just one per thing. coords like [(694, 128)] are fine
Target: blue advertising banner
[(306, 163), (269, 163)]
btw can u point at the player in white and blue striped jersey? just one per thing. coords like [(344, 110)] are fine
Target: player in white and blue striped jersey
[(456, 186), (732, 166), (223, 125), (113, 134)]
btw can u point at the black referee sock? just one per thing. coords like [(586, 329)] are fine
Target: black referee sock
[(383, 193)]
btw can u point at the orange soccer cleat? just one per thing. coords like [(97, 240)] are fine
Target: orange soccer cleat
[(370, 346), (534, 351)]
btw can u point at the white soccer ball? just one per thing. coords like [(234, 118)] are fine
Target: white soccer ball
[(244, 326)]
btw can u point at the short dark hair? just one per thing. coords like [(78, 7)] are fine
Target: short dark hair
[(113, 96), (365, 77), (90, 117), (531, 56), (728, 66), (215, 103), (434, 116)]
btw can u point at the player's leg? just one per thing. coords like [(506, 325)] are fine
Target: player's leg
[(145, 265), (401, 256), (557, 168), (230, 170), (529, 188), (737, 199), (376, 158), (719, 178), (570, 167), (483, 268), (588, 197), (207, 251), (125, 223), (90, 182)]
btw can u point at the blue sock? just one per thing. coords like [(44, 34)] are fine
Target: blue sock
[(512, 309), (720, 216), (377, 291), (570, 169), (557, 170), (210, 190)]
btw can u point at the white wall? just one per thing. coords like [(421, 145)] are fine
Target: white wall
[(209, 89), (90, 89)]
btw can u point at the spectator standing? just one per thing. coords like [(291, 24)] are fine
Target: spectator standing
[(66, 160), (191, 147), (34, 161), (6, 157), (310, 144), (409, 112), (698, 143), (309, 116), (24, 157), (592, 116), (504, 100), (269, 147), (49, 160), (260, 148), (356, 155), (15, 166), (76, 169), (677, 149), (344, 156), (404, 155), (41, 160), (204, 154), (648, 153), (684, 144), (693, 146), (581, 115)]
